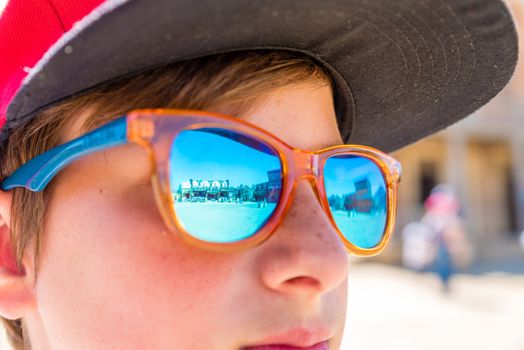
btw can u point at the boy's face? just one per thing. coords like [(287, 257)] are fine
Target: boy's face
[(112, 277)]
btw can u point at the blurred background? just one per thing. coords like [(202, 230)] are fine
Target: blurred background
[(395, 307), (482, 158)]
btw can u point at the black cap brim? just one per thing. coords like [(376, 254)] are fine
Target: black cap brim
[(402, 69)]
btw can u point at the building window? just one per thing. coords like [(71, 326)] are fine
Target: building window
[(428, 179)]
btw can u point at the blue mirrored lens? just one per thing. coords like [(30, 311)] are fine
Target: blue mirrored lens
[(356, 192), (225, 185)]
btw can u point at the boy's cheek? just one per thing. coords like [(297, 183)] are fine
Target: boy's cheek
[(107, 254)]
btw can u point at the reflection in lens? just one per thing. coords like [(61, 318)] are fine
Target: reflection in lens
[(225, 185), (356, 193)]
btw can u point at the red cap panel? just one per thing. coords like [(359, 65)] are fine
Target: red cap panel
[(27, 30)]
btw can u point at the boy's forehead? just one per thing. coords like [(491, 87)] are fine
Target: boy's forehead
[(301, 115)]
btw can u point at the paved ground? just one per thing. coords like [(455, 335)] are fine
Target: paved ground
[(395, 309)]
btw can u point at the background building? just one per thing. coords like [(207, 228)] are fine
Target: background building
[(483, 158)]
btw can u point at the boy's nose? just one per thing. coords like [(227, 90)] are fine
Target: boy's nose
[(305, 255)]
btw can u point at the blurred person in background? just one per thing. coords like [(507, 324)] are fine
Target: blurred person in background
[(417, 246), (438, 243), (452, 248)]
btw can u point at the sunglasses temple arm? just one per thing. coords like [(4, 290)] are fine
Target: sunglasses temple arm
[(39, 171)]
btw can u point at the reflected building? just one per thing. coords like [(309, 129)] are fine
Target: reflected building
[(362, 200), (274, 185), (199, 190)]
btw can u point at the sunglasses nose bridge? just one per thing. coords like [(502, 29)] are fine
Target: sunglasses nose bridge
[(305, 164)]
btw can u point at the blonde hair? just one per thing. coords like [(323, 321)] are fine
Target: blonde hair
[(238, 80)]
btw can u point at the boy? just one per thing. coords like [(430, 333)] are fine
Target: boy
[(174, 174)]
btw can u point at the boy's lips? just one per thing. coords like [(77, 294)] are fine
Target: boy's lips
[(319, 346), (295, 339)]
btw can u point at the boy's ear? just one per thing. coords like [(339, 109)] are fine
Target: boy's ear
[(16, 288)]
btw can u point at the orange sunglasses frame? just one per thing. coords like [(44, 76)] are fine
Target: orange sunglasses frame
[(155, 130)]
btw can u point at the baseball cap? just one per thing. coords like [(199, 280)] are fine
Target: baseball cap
[(401, 69)]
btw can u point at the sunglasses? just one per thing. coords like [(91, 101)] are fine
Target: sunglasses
[(225, 184)]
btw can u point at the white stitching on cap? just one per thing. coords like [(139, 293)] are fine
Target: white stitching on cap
[(455, 41), (402, 32), (388, 37), (438, 34), (470, 41)]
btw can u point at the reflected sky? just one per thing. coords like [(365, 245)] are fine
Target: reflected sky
[(342, 172), (205, 155)]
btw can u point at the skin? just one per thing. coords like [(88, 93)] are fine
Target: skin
[(112, 276)]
